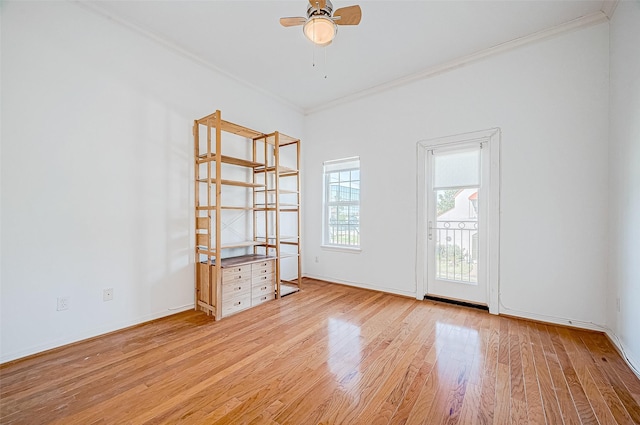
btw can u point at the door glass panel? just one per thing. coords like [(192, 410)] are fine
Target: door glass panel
[(457, 168), (456, 235)]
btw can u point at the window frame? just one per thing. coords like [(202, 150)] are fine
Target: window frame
[(329, 168)]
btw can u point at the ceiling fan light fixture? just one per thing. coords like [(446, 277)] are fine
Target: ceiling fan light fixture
[(320, 30)]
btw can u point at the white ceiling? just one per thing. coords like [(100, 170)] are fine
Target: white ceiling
[(396, 39)]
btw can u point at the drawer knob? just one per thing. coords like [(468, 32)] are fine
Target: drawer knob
[(264, 288), (237, 303), (238, 288)]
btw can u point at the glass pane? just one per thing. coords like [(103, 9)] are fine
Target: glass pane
[(342, 180), (456, 235), (334, 190), (457, 168)]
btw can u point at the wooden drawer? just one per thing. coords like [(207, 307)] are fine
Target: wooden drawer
[(236, 304), (262, 268), (262, 299), (231, 273), (235, 278), (262, 279), (233, 289), (263, 289)]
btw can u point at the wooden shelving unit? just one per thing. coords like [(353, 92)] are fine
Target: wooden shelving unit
[(228, 281), (279, 197)]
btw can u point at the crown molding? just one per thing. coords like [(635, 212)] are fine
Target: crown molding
[(575, 24), (608, 7), (94, 8)]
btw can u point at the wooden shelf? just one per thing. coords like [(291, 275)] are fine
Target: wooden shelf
[(237, 208), (283, 139), (282, 191), (282, 171), (281, 209), (243, 244), (211, 121), (273, 205), (226, 207), (282, 237), (230, 160), (231, 183)]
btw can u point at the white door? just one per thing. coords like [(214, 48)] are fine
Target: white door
[(458, 241)]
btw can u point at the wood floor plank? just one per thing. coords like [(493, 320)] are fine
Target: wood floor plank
[(580, 400), (330, 354), (565, 401), (614, 404), (535, 411), (580, 363), (603, 353), (488, 395)]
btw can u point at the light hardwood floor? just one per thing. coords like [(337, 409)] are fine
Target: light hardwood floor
[(329, 355)]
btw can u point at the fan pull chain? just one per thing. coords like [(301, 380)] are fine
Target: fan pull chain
[(325, 63)]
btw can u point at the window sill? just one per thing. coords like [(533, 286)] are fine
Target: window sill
[(348, 249)]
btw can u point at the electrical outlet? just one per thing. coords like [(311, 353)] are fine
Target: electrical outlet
[(317, 260), (107, 294), (63, 303), (618, 304)]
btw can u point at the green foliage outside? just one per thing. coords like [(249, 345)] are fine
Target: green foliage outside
[(446, 200), (452, 263)]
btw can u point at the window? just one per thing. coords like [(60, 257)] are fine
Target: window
[(341, 224)]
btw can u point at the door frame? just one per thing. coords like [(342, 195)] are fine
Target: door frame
[(491, 141)]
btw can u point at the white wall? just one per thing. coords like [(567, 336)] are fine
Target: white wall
[(551, 101), (96, 172), (624, 175)]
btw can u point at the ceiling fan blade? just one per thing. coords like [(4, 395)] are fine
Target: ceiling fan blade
[(292, 22), (349, 15), (318, 4)]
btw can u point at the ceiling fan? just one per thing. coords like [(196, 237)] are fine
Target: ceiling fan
[(321, 24)]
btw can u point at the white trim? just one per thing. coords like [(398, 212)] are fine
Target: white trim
[(551, 319), (339, 248), (633, 364), (96, 332), (95, 8), (384, 289), (594, 18), (492, 139), (609, 7), (493, 224), (575, 24)]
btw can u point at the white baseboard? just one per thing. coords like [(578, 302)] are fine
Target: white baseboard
[(15, 355), (633, 364), (552, 319), (362, 285)]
